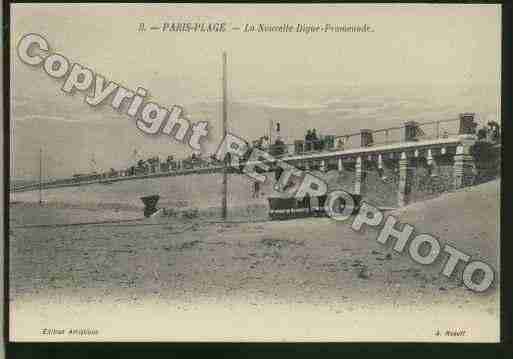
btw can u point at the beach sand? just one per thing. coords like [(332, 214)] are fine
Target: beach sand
[(303, 279)]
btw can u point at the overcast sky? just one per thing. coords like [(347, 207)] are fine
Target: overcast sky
[(424, 49)]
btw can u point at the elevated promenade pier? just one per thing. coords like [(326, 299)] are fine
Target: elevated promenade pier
[(391, 166)]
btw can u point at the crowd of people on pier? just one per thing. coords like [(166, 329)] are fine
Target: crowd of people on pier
[(312, 142)]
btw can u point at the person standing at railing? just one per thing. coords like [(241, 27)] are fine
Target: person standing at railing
[(317, 143), (308, 141), (314, 135)]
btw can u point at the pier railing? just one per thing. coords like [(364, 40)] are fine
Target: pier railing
[(367, 138)]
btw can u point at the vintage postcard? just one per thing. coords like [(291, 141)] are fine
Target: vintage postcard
[(239, 172)]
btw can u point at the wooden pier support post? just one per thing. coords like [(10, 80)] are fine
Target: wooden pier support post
[(307, 165), (359, 175), (322, 166), (405, 179), (464, 167), (381, 170), (431, 163)]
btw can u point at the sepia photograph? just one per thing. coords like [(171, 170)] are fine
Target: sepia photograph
[(254, 172)]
